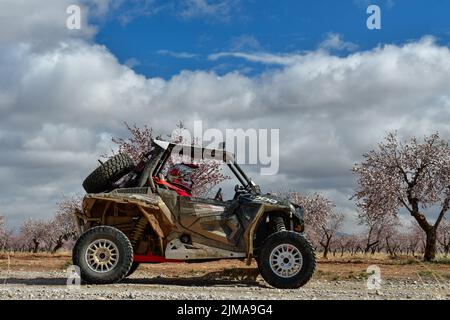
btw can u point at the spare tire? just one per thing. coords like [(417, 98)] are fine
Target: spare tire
[(109, 172)]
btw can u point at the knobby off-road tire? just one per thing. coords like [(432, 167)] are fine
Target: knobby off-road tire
[(104, 255), (109, 172), (278, 251), (133, 268)]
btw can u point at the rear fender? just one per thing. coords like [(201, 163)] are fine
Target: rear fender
[(123, 210)]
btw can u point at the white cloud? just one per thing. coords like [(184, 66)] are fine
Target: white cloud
[(178, 55), (210, 10), (132, 62), (100, 8), (217, 10), (334, 41), (140, 8), (44, 25), (245, 42), (259, 57)]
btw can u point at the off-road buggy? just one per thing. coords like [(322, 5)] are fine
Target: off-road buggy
[(132, 215)]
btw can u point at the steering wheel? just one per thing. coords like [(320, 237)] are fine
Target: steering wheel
[(219, 195)]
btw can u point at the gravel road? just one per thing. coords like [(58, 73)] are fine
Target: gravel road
[(52, 285)]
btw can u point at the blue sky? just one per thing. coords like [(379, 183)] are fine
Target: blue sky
[(159, 41)]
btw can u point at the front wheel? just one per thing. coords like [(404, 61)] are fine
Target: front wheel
[(287, 260)]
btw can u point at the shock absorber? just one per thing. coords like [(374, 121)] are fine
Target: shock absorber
[(279, 224), (138, 230)]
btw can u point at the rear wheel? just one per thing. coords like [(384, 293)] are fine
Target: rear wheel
[(103, 254), (286, 260), (133, 268)]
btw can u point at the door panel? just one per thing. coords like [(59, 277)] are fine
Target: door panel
[(210, 219)]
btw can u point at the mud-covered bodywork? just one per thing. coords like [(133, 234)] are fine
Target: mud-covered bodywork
[(163, 223), (135, 212)]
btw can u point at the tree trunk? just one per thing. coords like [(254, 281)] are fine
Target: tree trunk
[(430, 245), (325, 253), (36, 246), (326, 247), (388, 247), (58, 245), (373, 250)]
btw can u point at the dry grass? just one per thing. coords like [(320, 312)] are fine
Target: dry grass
[(400, 267)]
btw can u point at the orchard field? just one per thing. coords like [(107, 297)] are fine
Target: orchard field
[(44, 276)]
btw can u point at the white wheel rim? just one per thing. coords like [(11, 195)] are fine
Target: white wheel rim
[(102, 255), (286, 260)]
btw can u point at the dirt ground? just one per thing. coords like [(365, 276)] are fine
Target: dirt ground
[(43, 276)]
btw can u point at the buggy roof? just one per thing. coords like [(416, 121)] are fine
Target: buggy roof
[(196, 152)]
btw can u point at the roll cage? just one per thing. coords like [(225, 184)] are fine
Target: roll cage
[(162, 150)]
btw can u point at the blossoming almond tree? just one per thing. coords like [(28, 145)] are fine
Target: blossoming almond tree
[(378, 227), (444, 236), (415, 238), (414, 176), (36, 232), (392, 237), (3, 234), (321, 221), (63, 223), (329, 230), (317, 208), (350, 243)]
